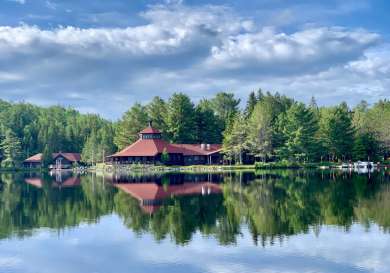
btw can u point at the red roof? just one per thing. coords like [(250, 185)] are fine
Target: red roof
[(148, 147), (34, 158), (152, 147), (197, 149), (69, 182), (153, 191), (37, 182), (73, 157), (150, 130)]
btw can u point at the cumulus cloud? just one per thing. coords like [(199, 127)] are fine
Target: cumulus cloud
[(198, 49), (309, 50)]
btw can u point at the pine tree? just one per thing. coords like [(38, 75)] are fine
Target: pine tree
[(12, 150), (250, 105), (299, 129), (157, 112), (181, 119), (260, 131), (235, 139), (132, 122), (207, 129), (47, 156), (225, 106), (337, 132)]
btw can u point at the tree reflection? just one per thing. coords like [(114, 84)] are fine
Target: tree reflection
[(271, 205)]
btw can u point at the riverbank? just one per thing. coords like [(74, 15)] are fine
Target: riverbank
[(159, 168), (281, 165), (21, 170)]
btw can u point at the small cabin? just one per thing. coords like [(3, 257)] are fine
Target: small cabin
[(59, 161)]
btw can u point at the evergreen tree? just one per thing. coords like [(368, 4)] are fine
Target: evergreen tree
[(337, 132), (12, 150), (365, 147), (250, 104), (379, 124), (47, 156), (259, 139), (157, 111), (259, 95), (207, 130), (132, 122), (299, 129), (181, 119), (235, 139), (225, 106)]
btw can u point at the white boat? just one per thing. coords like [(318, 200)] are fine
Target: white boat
[(364, 164)]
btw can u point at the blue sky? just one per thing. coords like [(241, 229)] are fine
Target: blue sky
[(102, 56)]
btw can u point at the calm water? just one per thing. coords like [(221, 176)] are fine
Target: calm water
[(286, 221)]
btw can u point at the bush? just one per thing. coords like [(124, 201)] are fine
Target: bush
[(284, 164)]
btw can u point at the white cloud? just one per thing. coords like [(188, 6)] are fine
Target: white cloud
[(197, 49), (310, 49)]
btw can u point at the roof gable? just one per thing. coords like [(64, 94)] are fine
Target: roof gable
[(73, 157)]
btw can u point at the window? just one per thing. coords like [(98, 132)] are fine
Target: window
[(151, 136)]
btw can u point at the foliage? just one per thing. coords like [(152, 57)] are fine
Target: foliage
[(207, 123), (337, 132), (234, 142), (299, 128), (98, 145), (164, 156), (131, 123), (57, 128), (11, 150), (181, 119), (260, 131)]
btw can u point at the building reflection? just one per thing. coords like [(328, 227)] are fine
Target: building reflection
[(151, 195), (55, 180), (152, 190)]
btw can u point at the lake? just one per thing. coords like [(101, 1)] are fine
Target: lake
[(269, 221)]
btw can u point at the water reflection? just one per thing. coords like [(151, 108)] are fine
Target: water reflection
[(271, 205)]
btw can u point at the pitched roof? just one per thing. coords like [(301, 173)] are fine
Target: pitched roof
[(34, 158), (147, 147), (73, 181), (197, 149), (150, 130), (73, 157), (69, 182), (37, 182), (153, 191), (152, 147)]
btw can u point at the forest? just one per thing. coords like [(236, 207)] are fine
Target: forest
[(268, 127)]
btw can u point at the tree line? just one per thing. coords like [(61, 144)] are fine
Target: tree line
[(270, 127), (275, 127), (26, 130)]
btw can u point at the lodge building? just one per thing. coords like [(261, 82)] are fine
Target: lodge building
[(59, 160), (150, 146)]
